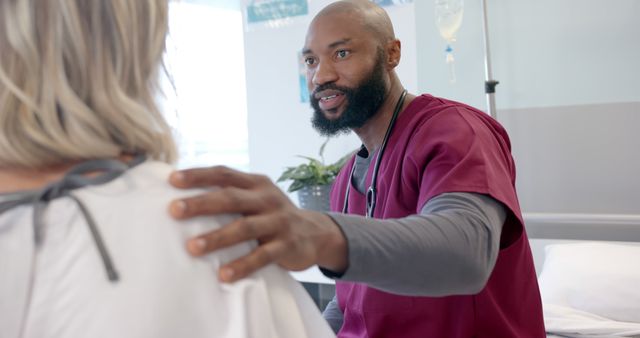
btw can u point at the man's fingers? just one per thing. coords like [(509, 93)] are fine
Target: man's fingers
[(264, 254), (214, 176), (222, 201), (240, 230)]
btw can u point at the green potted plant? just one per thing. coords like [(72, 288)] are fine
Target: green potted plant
[(312, 180)]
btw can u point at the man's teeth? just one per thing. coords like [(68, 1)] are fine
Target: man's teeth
[(326, 98)]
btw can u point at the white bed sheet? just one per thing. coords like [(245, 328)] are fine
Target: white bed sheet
[(590, 289)]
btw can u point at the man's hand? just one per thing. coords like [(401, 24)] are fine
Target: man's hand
[(291, 237)]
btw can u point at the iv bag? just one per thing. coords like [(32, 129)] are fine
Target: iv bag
[(448, 21)]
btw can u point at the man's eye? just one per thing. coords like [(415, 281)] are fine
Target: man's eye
[(341, 54), (309, 61)]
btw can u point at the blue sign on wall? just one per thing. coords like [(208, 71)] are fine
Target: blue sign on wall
[(385, 3), (266, 10)]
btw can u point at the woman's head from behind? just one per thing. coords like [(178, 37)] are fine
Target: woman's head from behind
[(78, 80)]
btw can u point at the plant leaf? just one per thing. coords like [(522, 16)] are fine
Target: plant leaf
[(321, 152), (314, 172)]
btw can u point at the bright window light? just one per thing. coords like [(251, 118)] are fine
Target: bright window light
[(206, 98)]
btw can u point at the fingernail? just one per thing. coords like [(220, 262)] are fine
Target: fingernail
[(200, 243), (226, 274), (197, 245), (178, 176), (180, 207)]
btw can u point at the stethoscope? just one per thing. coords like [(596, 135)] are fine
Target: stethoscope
[(372, 191)]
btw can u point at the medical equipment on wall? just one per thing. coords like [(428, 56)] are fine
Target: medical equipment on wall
[(489, 83), (448, 20)]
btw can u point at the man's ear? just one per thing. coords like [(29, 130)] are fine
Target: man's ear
[(393, 53)]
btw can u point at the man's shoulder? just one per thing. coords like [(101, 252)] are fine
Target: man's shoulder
[(430, 114), (437, 125), (426, 106), (432, 117)]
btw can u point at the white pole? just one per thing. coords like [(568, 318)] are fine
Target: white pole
[(489, 84)]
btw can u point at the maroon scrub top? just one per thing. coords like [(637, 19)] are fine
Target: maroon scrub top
[(440, 146)]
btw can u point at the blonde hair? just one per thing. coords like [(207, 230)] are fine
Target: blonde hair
[(79, 79)]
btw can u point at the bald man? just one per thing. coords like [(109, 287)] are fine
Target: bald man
[(426, 237)]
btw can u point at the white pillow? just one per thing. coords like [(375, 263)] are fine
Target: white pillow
[(569, 322), (598, 278)]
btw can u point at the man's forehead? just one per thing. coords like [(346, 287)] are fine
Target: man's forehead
[(332, 28)]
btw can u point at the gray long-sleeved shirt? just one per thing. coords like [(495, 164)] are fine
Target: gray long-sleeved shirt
[(450, 248)]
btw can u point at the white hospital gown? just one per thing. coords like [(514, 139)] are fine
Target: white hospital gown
[(60, 288)]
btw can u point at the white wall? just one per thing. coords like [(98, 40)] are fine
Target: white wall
[(569, 95), (544, 52), (279, 124)]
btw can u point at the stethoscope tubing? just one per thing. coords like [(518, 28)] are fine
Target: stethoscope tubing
[(371, 194)]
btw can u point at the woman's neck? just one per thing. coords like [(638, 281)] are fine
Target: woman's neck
[(20, 179), (13, 180)]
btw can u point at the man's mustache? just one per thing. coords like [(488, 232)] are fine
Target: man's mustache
[(331, 86)]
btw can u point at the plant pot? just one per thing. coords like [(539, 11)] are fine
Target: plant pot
[(315, 197)]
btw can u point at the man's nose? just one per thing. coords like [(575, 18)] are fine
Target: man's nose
[(324, 73)]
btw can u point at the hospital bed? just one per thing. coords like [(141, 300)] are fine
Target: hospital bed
[(589, 273)]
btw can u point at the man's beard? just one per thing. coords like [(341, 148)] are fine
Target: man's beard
[(363, 103)]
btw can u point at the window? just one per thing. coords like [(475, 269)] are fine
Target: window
[(206, 98)]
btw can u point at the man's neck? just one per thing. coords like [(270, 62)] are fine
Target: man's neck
[(372, 133)]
